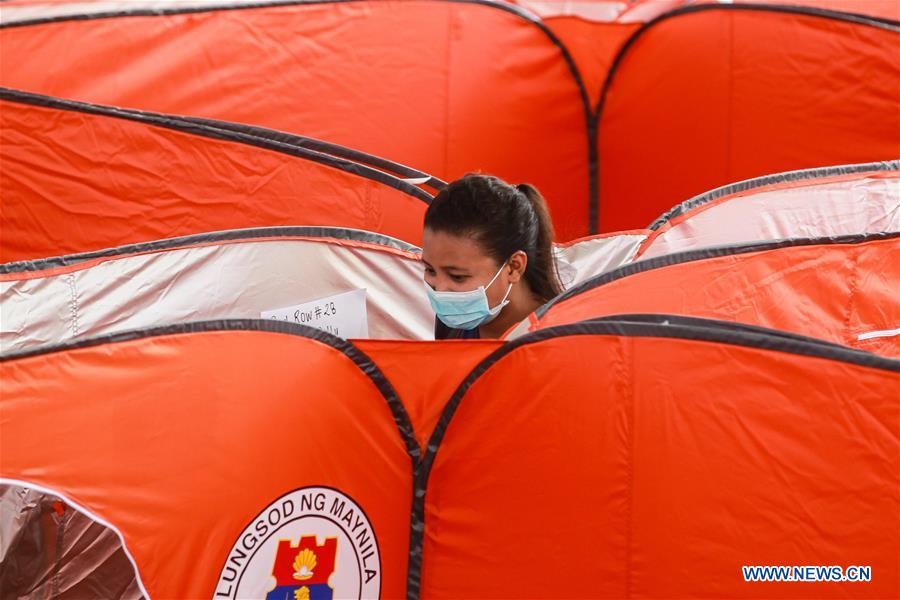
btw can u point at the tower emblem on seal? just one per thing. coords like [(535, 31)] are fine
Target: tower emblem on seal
[(302, 571)]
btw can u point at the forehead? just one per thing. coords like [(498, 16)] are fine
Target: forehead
[(440, 249)]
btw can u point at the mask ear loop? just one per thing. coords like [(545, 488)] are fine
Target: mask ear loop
[(495, 276), (505, 263), (508, 290)]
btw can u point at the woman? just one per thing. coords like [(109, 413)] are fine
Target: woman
[(488, 254)]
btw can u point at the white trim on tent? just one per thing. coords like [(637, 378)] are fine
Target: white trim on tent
[(878, 334)]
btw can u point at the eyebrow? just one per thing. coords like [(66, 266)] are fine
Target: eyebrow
[(446, 268)]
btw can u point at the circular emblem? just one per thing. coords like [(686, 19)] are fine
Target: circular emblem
[(314, 543)]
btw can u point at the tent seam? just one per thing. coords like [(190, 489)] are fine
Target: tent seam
[(729, 133), (73, 303), (449, 49), (56, 573), (851, 297), (625, 345)]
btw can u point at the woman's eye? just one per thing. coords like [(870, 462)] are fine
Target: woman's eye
[(459, 278), (429, 272)]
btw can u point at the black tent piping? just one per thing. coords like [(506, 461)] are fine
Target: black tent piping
[(297, 146), (230, 235)]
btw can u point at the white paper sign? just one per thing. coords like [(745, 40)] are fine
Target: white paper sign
[(343, 315)]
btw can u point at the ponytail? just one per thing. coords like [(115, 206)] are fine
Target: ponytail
[(543, 278)]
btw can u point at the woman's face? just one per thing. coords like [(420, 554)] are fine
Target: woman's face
[(456, 263)]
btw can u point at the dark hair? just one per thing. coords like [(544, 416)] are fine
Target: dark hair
[(502, 219)]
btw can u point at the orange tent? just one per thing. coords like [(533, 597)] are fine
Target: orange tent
[(841, 289), (642, 459), (448, 87), (491, 86), (596, 448), (80, 177), (665, 428), (751, 90), (219, 451)]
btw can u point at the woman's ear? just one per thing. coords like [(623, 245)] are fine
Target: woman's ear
[(517, 263)]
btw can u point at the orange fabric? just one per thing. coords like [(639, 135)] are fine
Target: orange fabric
[(446, 87), (74, 182), (597, 466), (593, 47), (735, 94), (181, 440), (425, 374), (829, 291)]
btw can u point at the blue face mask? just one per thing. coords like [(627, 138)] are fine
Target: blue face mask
[(466, 310)]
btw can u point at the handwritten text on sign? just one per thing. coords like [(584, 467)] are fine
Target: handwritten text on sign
[(343, 315)]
